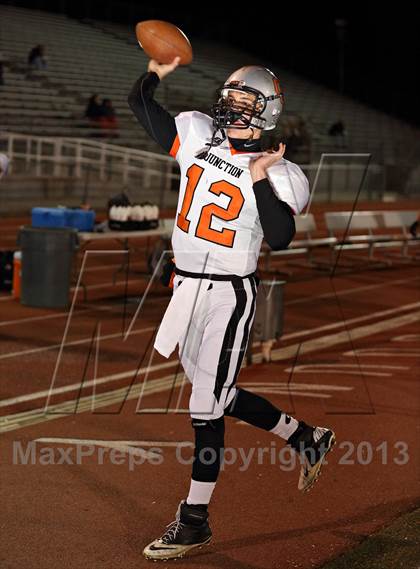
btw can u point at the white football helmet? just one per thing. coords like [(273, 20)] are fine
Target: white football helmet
[(267, 104)]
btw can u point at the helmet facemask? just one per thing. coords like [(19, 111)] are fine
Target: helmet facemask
[(230, 112)]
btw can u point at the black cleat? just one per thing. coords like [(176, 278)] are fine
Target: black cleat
[(190, 529), (312, 444)]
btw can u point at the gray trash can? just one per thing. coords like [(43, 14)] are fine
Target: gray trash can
[(269, 317), (47, 257)]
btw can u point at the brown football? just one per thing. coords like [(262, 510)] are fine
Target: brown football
[(163, 41)]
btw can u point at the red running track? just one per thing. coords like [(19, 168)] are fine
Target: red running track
[(348, 359)]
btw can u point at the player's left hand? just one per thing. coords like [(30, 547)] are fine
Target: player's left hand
[(259, 166)]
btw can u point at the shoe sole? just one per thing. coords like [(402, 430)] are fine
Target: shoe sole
[(186, 549), (315, 472)]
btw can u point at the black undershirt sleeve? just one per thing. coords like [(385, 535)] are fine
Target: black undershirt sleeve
[(156, 120), (276, 216)]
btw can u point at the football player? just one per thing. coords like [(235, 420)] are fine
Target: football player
[(232, 195)]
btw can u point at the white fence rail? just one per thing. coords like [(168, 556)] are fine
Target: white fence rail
[(60, 157), (336, 175)]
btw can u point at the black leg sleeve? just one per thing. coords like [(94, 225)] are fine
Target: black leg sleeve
[(254, 409)]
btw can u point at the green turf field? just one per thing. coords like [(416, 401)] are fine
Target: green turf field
[(396, 547)]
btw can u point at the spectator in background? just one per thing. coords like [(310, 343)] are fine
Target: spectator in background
[(293, 133), (289, 140), (292, 138), (108, 117), (36, 58), (94, 108), (414, 227), (4, 165), (305, 137), (337, 131)]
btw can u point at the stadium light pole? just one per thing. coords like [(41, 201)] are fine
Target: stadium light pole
[(341, 29)]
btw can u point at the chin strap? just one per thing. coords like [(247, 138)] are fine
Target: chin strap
[(215, 141)]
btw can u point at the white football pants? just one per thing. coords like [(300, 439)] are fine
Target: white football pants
[(212, 349)]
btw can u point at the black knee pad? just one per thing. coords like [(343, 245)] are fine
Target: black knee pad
[(209, 443)]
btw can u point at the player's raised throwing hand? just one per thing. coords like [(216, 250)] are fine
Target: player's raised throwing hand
[(163, 69)]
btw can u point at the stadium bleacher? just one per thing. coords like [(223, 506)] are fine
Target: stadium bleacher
[(86, 57)]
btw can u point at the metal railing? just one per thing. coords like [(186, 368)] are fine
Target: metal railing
[(62, 157), (335, 176)]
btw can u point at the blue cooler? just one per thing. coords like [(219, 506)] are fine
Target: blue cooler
[(58, 217), (54, 217), (81, 219)]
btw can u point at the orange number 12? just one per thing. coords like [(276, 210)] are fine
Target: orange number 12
[(224, 237)]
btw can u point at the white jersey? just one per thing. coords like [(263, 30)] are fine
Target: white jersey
[(217, 229)]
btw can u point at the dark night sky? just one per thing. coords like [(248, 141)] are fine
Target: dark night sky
[(380, 52)]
